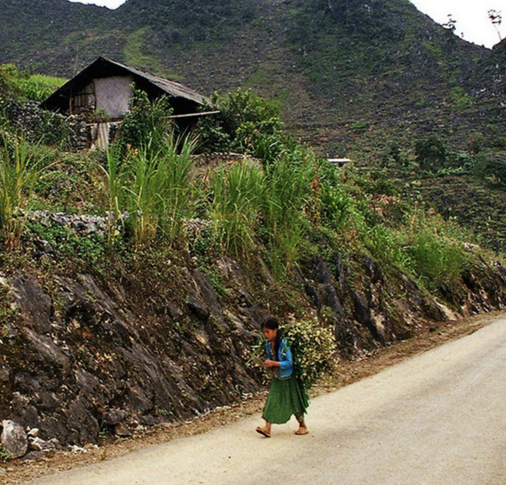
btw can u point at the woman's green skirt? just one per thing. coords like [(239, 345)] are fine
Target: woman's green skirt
[(286, 397)]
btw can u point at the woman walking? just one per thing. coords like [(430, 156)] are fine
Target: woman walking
[(287, 395)]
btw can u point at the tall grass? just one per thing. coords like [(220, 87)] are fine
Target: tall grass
[(389, 245), (287, 195), (177, 184), (143, 198), (436, 256), (116, 179), (337, 205), (237, 194), (345, 208), (20, 166), (426, 249), (155, 188)]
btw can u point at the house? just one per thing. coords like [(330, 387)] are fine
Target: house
[(105, 87), (339, 162)]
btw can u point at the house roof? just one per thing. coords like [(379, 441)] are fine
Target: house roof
[(103, 67)]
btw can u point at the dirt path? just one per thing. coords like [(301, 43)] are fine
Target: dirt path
[(439, 417)]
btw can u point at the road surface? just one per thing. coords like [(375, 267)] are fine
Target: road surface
[(438, 418)]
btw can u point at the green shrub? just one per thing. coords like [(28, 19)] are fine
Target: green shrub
[(54, 130), (459, 98), (147, 123), (359, 127), (431, 153), (336, 204), (387, 245), (490, 167), (245, 120), (90, 250), (436, 258), (380, 182)]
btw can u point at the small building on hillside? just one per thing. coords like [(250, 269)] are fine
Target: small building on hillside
[(105, 87), (339, 162)]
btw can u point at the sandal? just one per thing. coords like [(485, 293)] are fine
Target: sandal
[(301, 431), (263, 432)]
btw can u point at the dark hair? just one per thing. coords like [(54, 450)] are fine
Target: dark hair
[(272, 323)]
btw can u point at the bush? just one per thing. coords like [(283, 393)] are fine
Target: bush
[(491, 167), (245, 121), (386, 244), (146, 124), (436, 258), (380, 182), (430, 153)]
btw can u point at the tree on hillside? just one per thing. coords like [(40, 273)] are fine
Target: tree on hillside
[(450, 24), (430, 153), (496, 19)]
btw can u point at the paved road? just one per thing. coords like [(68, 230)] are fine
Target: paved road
[(438, 418)]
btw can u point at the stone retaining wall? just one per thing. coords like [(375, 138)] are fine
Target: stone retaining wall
[(37, 124)]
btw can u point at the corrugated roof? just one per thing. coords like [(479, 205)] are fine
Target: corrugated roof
[(170, 87), (101, 65)]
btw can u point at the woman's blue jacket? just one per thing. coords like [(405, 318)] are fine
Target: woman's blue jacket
[(284, 357)]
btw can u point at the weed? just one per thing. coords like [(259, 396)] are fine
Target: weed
[(4, 454)]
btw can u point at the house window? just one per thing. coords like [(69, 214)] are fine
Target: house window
[(84, 100)]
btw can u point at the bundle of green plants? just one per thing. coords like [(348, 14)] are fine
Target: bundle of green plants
[(313, 348)]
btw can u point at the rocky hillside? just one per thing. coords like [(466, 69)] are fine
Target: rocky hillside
[(351, 76), (473, 204), (96, 344)]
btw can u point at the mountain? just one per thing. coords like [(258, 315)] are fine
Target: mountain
[(106, 329), (352, 75)]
